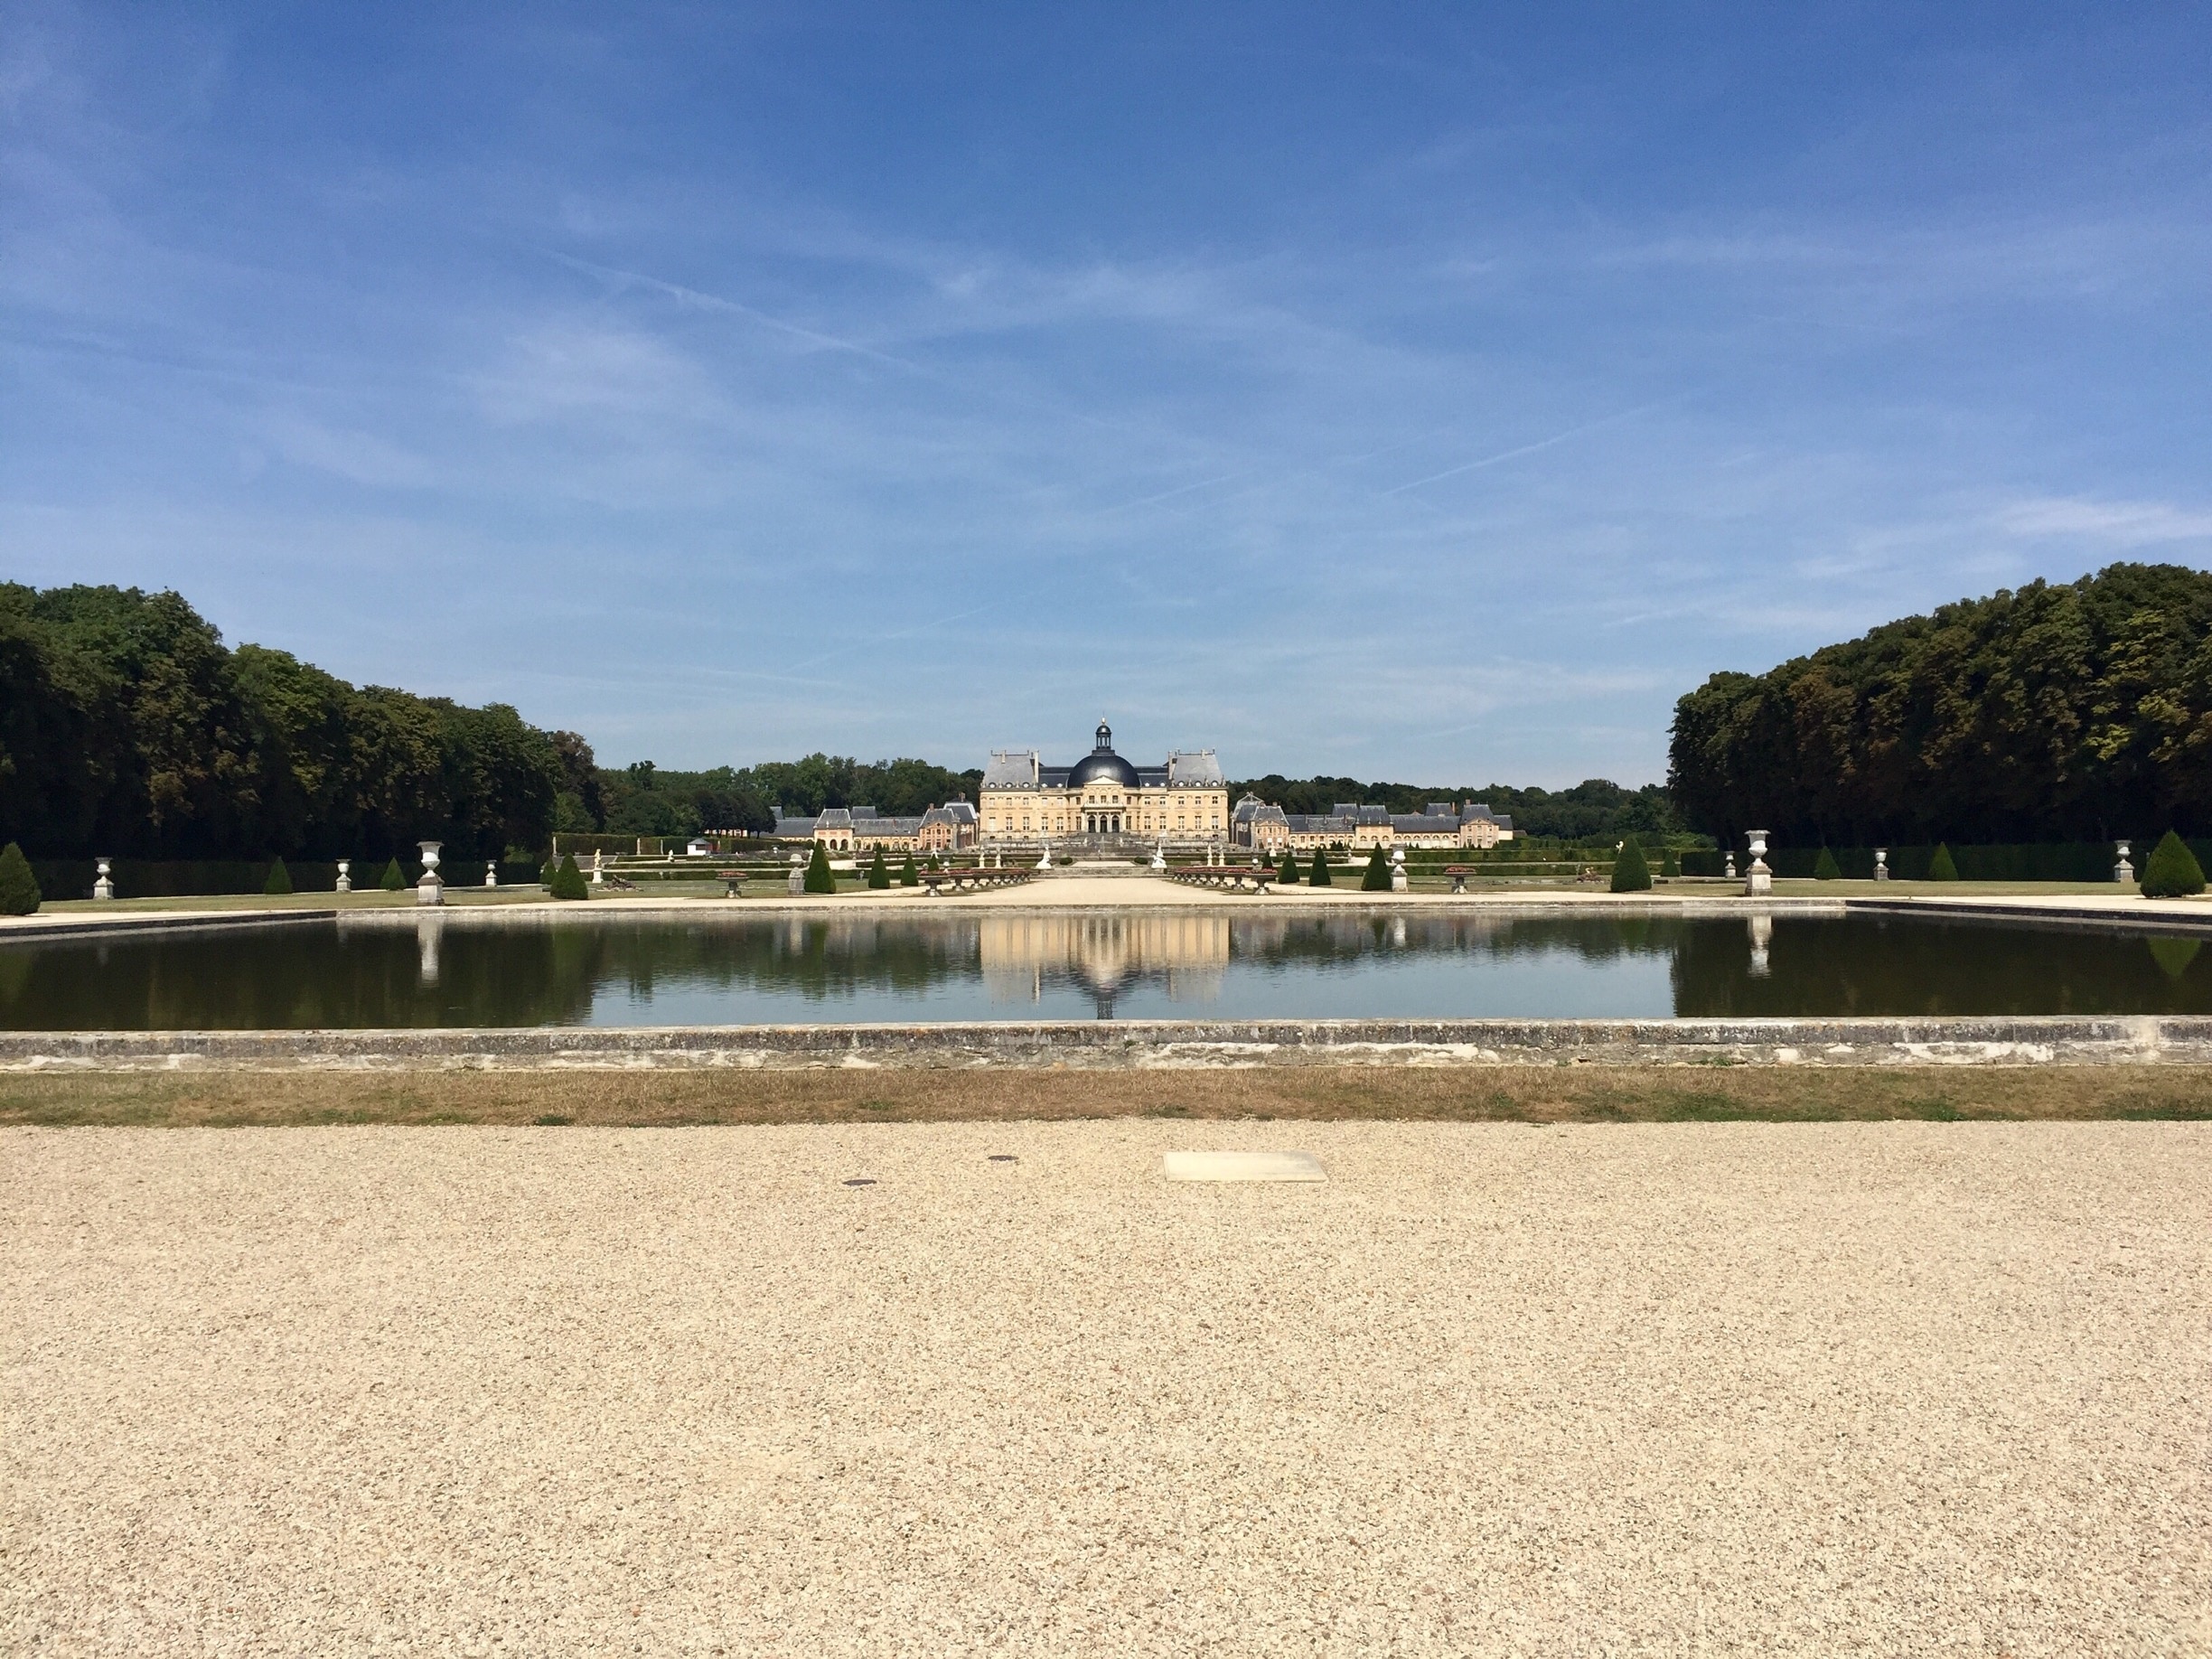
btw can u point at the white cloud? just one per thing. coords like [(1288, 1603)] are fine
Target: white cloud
[(360, 456), (2118, 524)]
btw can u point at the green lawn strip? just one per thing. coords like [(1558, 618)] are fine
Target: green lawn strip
[(1591, 1094)]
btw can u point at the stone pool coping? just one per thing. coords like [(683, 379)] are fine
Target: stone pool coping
[(1116, 1045)]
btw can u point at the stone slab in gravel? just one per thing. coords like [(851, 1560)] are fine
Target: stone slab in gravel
[(1726, 1388)]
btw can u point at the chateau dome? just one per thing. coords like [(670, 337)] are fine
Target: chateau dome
[(1103, 763)]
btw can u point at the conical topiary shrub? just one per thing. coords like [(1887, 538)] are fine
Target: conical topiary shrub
[(820, 877), (909, 877), (1941, 866), (935, 863), (1377, 878), (1630, 874), (1825, 867), (1286, 875), (279, 880), (19, 888), (1669, 864), (568, 881), (1320, 876), (879, 874), (2173, 871), (394, 879)]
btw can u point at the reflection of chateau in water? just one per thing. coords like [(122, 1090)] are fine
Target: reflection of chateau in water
[(1105, 953)]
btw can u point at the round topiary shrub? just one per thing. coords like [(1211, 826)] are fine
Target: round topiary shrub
[(568, 881), (1825, 867), (19, 888), (279, 880), (2172, 871), (1630, 874), (820, 877), (1377, 877), (1943, 866)]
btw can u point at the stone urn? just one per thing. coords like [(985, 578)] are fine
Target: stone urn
[(103, 882), (345, 874), (2124, 870), (1398, 874), (1881, 864), (1758, 880), (431, 888)]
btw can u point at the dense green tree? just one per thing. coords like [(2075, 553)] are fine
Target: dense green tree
[(568, 881), (2172, 870), (879, 872), (19, 888), (1377, 877), (126, 726), (280, 879), (2053, 712), (1943, 866), (1825, 867), (820, 876), (1596, 810), (1631, 870), (1320, 876)]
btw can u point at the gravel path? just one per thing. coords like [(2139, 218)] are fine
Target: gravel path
[(1839, 1388)]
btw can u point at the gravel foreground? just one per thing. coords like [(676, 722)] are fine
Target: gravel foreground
[(1670, 1390)]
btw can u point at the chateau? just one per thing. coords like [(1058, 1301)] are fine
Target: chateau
[(1185, 802), (1023, 800)]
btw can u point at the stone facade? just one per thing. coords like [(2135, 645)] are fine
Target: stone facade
[(863, 830), (1266, 827), (1024, 802)]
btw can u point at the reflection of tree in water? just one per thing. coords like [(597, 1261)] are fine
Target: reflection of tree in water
[(300, 976), (1344, 941), (443, 971), (820, 957), (1881, 966), (448, 970)]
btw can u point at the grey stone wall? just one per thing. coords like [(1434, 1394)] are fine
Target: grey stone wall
[(1105, 1045)]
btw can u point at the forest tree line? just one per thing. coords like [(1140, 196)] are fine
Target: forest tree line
[(127, 728), (2069, 711), (1594, 810)]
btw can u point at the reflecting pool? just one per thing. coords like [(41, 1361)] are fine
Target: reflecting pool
[(765, 970)]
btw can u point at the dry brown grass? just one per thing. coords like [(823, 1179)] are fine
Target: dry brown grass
[(1531, 1094)]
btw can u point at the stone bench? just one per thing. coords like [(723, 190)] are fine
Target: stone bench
[(971, 880), (1225, 877)]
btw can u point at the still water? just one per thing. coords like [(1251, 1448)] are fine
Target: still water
[(733, 969)]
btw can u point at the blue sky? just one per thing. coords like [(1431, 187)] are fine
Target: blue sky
[(1419, 392)]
